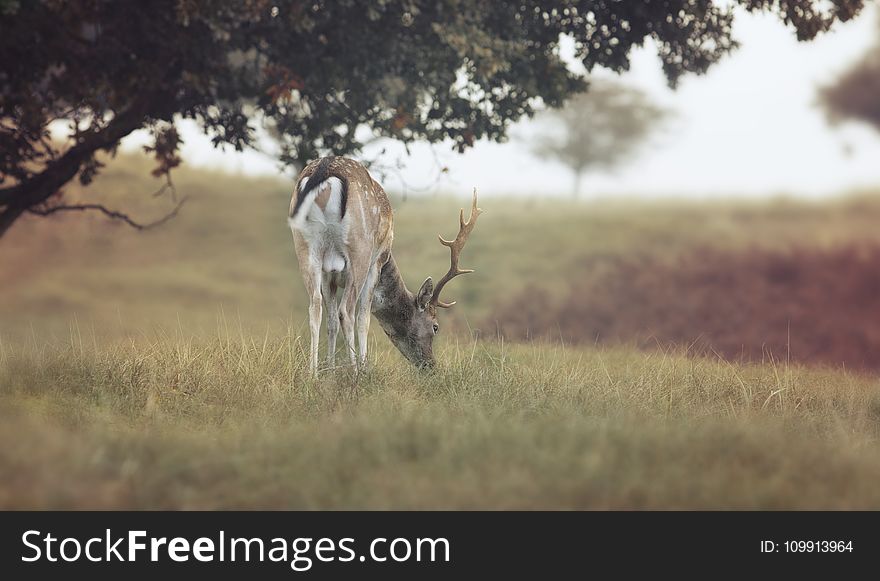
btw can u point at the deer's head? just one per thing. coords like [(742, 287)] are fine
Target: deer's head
[(418, 323)]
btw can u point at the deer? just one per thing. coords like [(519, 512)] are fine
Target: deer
[(343, 229)]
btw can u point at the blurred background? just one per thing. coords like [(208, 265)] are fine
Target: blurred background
[(735, 215)]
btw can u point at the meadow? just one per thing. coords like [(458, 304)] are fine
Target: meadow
[(166, 368)]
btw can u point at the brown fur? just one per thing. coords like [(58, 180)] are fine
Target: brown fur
[(409, 323)]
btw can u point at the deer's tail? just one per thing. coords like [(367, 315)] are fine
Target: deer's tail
[(310, 186)]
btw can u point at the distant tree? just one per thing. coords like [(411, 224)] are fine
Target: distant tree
[(315, 71), (855, 96), (597, 130)]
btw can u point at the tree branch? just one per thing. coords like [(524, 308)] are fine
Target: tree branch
[(25, 195), (114, 214)]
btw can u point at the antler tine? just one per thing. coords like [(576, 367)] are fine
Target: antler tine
[(455, 246)]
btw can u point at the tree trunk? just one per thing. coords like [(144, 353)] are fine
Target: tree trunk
[(576, 186)]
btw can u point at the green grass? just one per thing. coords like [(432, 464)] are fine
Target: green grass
[(166, 369), (236, 423)]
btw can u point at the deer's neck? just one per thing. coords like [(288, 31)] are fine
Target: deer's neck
[(392, 301)]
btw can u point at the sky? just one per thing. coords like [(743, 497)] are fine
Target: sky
[(749, 127)]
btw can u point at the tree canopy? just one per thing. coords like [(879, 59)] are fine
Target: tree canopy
[(598, 129), (315, 71), (855, 96)]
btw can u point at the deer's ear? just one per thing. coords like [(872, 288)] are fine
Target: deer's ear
[(424, 295)]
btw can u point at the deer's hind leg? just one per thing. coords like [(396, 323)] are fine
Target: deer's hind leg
[(354, 283), (364, 306), (308, 257)]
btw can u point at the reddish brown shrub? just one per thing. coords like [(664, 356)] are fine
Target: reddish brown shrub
[(814, 306)]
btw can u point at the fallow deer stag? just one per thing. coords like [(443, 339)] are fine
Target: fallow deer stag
[(342, 226)]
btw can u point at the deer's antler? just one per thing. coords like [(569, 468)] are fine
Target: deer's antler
[(455, 246)]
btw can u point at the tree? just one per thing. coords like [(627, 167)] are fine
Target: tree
[(315, 71), (855, 96), (598, 129)]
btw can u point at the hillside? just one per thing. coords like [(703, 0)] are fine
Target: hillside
[(230, 252)]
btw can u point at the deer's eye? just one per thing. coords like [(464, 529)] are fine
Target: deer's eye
[(436, 328)]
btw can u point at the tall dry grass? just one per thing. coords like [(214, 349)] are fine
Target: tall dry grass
[(235, 422)]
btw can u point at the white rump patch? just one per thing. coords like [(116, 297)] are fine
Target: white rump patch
[(324, 230), (333, 211), (309, 211)]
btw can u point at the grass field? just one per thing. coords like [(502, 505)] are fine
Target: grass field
[(237, 424), (166, 369)]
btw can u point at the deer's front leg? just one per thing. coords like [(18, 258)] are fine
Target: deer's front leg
[(363, 312), (328, 291), (348, 305), (346, 319)]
